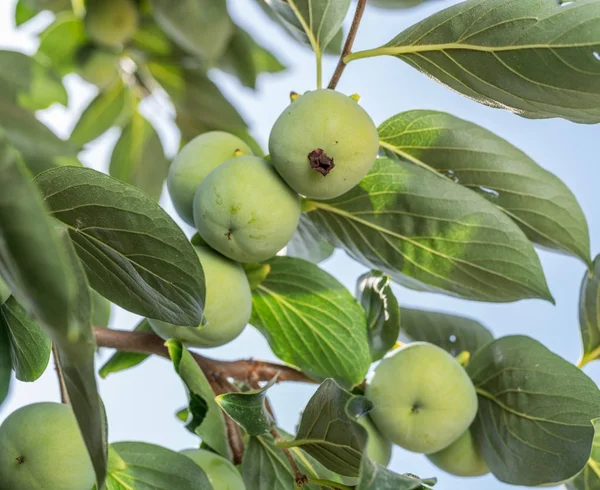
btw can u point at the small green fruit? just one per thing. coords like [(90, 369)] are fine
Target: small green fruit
[(379, 449), (227, 308), (245, 211), (323, 144), (100, 68), (5, 292), (194, 162), (220, 472), (111, 22), (461, 458), (41, 448), (423, 399)]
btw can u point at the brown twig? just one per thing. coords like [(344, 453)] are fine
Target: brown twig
[(299, 477), (341, 66), (64, 394), (149, 343)]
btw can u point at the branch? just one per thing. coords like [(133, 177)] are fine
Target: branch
[(64, 394), (341, 66), (242, 370), (299, 477)]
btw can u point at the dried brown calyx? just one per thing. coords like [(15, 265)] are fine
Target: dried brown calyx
[(320, 162)]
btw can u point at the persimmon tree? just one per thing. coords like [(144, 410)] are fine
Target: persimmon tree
[(424, 199)]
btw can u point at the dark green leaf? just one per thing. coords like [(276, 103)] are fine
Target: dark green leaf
[(5, 291), (133, 252), (589, 478), (539, 202), (248, 409), (433, 235), (138, 157), (374, 293), (60, 41), (589, 314), (534, 425), (314, 22), (32, 258), (5, 363), (210, 421), (142, 466), (454, 334), (76, 358), (312, 321), (201, 27), (120, 361), (100, 115), (377, 477), (265, 467), (41, 148), (246, 59), (26, 81), (308, 243), (200, 105), (30, 346), (537, 58), (329, 432)]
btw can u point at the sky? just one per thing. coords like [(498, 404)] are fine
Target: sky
[(141, 402)]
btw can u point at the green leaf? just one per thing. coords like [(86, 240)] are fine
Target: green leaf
[(589, 478), (199, 103), (264, 466), (433, 235), (24, 11), (373, 476), (100, 115), (30, 347), (142, 466), (589, 314), (374, 293), (452, 333), (41, 148), (210, 421), (138, 157), (5, 363), (60, 41), (26, 81), (100, 310), (540, 203), (32, 258), (314, 22), (121, 361), (308, 243), (76, 358), (312, 321), (534, 425), (201, 27), (133, 252), (248, 409), (328, 429), (246, 59), (536, 58)]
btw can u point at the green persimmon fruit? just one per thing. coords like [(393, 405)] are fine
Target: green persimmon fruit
[(100, 68), (227, 307), (379, 449), (111, 22), (220, 472), (423, 398), (194, 162), (245, 211), (5, 291), (395, 4), (323, 144), (41, 448), (100, 309), (461, 458)]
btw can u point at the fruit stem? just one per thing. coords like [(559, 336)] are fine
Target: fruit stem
[(341, 66), (149, 343), (64, 394), (319, 58)]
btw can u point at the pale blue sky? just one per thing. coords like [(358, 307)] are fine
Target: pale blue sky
[(141, 403)]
